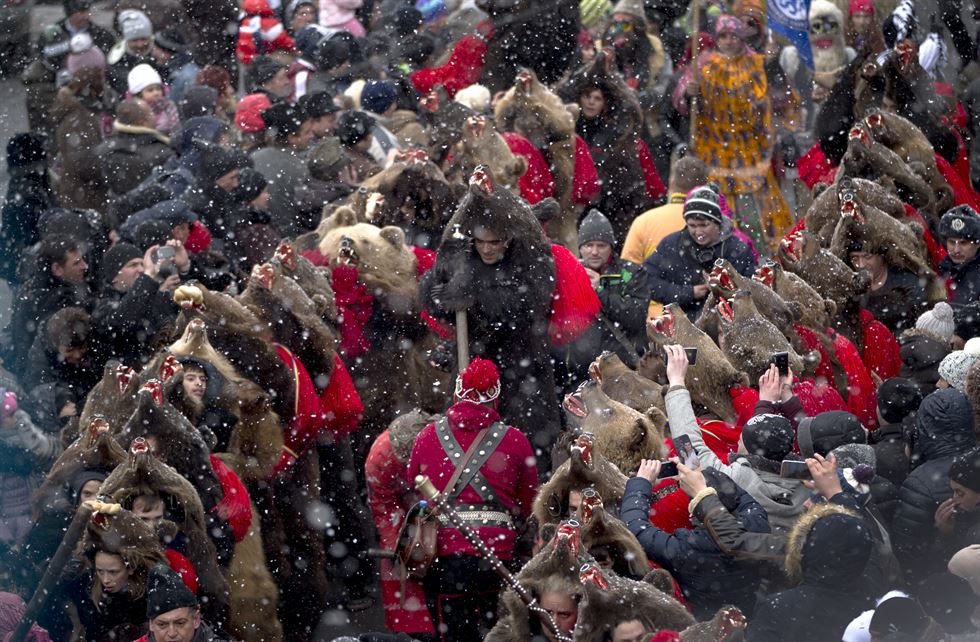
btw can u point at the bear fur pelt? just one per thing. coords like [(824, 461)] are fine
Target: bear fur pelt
[(482, 144), (624, 385), (749, 340), (314, 280), (113, 398)]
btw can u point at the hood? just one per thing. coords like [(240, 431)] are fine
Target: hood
[(216, 380), (829, 545), (203, 127), (943, 426)]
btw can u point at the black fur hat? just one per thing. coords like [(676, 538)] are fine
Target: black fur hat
[(960, 222)]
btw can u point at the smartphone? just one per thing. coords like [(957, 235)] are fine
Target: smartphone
[(790, 469), (166, 252), (781, 359), (685, 451), (667, 469), (692, 355)]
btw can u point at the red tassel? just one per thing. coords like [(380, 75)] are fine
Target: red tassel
[(235, 508), (183, 567)]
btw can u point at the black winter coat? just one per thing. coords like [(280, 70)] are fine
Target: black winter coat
[(944, 429), (37, 301), (129, 156), (709, 578), (966, 279), (891, 462), (28, 195), (678, 264), (124, 324)]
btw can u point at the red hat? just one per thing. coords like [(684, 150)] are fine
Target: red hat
[(479, 382), (248, 116), (861, 6)]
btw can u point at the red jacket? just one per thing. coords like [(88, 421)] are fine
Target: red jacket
[(511, 472), (260, 32)]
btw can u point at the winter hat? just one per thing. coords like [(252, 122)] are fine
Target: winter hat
[(12, 611), (84, 53), (861, 6), (327, 159), (198, 100), (827, 431), (898, 398), (353, 127), (770, 436), (972, 346), (171, 39), (631, 7), (921, 355), (931, 52), (854, 455), (116, 257), (250, 184), (142, 76), (702, 202), (406, 20), (150, 233), (165, 591), (431, 10), (965, 470), (248, 114), (745, 9), (955, 368), (335, 50), (85, 475), (961, 222), (284, 119), (262, 70), (938, 321), (726, 23), (479, 382), (317, 104), (966, 564), (476, 97), (595, 227), (25, 149), (74, 6), (378, 95), (899, 615), (308, 39), (216, 161), (726, 488), (134, 24), (592, 12)]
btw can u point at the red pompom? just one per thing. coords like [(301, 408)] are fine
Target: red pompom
[(481, 375), (666, 636)]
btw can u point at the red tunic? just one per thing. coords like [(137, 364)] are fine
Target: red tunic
[(511, 472), (308, 419)]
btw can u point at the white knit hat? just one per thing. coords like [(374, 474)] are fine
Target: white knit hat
[(938, 321), (955, 368), (142, 76), (134, 24), (476, 97), (972, 346)]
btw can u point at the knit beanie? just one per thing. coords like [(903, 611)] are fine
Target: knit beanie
[(74, 6), (631, 7), (353, 127), (899, 615), (702, 202), (476, 97), (171, 39), (216, 161), (327, 159), (406, 20), (828, 430), (770, 436), (596, 227), (84, 53), (134, 24), (248, 114), (961, 222), (262, 70), (198, 100), (165, 591), (378, 95), (142, 76), (938, 321), (317, 104), (972, 346), (592, 12), (955, 368), (479, 382), (250, 184), (307, 40), (965, 470), (116, 257), (431, 10), (966, 564), (898, 398)]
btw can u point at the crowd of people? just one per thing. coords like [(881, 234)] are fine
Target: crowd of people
[(322, 304)]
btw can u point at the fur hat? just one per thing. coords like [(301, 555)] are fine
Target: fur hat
[(770, 436), (378, 95), (898, 398), (142, 76), (955, 367), (595, 227), (124, 534), (479, 382), (116, 257), (965, 470), (966, 564), (825, 8), (702, 202), (327, 159), (938, 321), (165, 592), (134, 24), (248, 114), (961, 222), (828, 430)]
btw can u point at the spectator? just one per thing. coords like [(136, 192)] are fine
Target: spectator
[(136, 48), (959, 228), (175, 60), (898, 401), (145, 83), (28, 195), (268, 76), (354, 131), (135, 149)]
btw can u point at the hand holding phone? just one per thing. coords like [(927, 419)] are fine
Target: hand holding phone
[(791, 469), (781, 360), (685, 452)]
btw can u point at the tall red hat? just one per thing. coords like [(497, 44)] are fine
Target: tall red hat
[(479, 382)]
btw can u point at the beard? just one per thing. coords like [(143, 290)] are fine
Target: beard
[(830, 58)]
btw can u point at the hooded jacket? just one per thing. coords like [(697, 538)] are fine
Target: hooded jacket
[(678, 264), (827, 552), (130, 154), (943, 429)]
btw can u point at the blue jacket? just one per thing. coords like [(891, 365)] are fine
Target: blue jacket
[(708, 578)]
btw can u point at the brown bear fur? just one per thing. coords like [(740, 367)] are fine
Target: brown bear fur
[(256, 440), (254, 595), (749, 340), (815, 311), (314, 280), (727, 624), (538, 114), (710, 377), (443, 118), (601, 530), (124, 534), (482, 144), (724, 281), (624, 385), (143, 474), (623, 435), (586, 467), (824, 212), (113, 398)]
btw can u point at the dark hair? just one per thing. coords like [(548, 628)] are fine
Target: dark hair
[(215, 77), (54, 249), (69, 327), (132, 112), (687, 173)]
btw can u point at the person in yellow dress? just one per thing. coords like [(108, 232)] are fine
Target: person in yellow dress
[(733, 131)]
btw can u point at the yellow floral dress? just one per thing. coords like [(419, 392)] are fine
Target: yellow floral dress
[(734, 137)]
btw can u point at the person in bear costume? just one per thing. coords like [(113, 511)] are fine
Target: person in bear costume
[(495, 263)]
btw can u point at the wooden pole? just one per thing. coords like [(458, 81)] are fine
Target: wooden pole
[(462, 340), (695, 47)]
